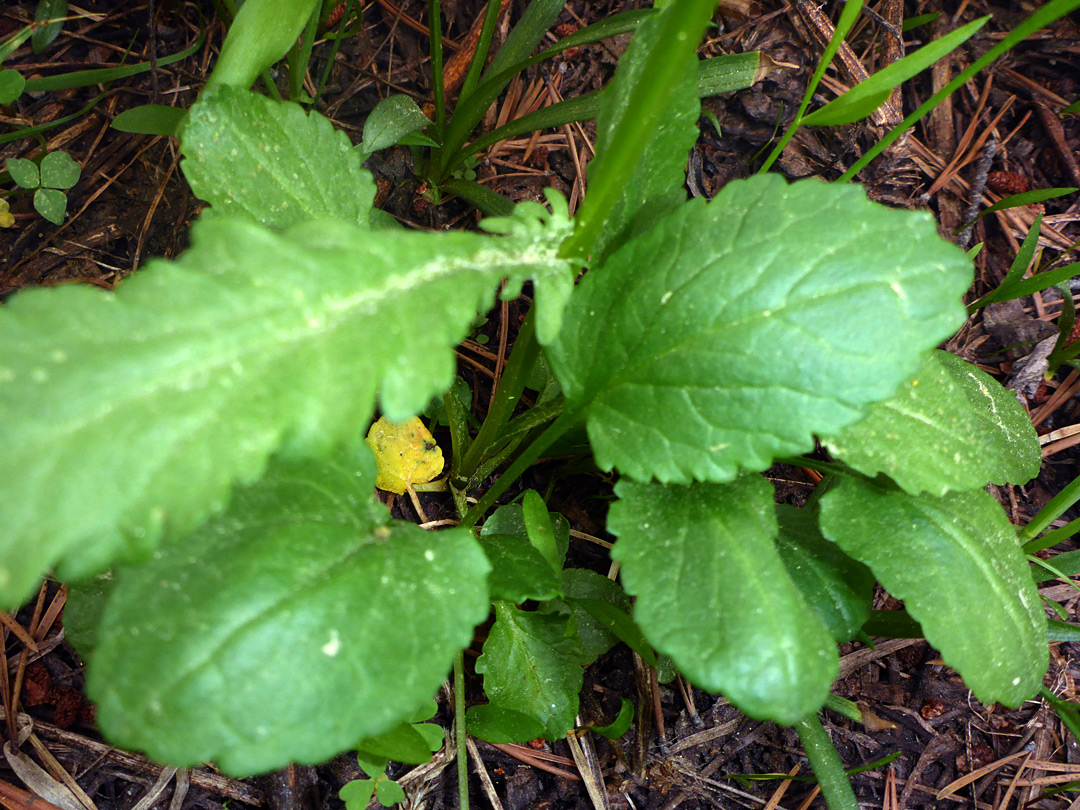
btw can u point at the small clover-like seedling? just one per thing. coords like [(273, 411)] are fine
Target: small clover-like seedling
[(57, 172), (357, 793), (6, 217), (412, 743)]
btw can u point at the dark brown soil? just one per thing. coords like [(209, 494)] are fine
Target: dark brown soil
[(998, 135)]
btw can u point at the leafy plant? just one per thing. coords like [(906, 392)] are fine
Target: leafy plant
[(48, 179), (412, 743), (200, 432)]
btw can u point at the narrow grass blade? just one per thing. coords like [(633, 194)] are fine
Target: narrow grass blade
[(471, 107), (491, 16), (1051, 539), (1028, 286), (1027, 198), (15, 42), (1045, 15), (1019, 266), (721, 74), (652, 77), (843, 25), (87, 78), (1052, 511), (861, 100), (537, 18)]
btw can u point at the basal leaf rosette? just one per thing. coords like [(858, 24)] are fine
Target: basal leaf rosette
[(287, 628), (732, 332)]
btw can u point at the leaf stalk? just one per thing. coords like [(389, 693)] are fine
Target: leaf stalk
[(826, 763)]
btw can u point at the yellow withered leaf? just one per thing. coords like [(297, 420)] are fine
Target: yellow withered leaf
[(406, 454)]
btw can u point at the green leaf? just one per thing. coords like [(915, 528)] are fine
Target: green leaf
[(424, 711), (950, 427), (540, 530), (713, 594), (88, 78), (1068, 563), (522, 40), (389, 792), (51, 204), (418, 139), (373, 766), (1062, 631), (892, 624), (957, 564), (510, 519), (911, 23), (1027, 286), (532, 665), (645, 128), (296, 622), (85, 603), (620, 725), (839, 588), (498, 724), (392, 119), (433, 735), (14, 41), (402, 743), (1019, 266), (151, 119), (619, 624), (251, 341), (357, 794), (728, 72), (11, 85), (865, 97), (241, 155), (59, 170), (24, 172), (730, 333), (262, 33), (52, 13), (518, 571), (583, 584)]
